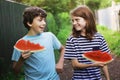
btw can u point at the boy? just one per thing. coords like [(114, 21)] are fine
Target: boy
[(38, 65)]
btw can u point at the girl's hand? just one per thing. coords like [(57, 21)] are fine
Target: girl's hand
[(98, 64)]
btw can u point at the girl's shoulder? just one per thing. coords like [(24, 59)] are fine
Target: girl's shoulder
[(98, 34)]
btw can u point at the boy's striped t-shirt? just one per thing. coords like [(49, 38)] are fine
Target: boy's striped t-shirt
[(75, 47)]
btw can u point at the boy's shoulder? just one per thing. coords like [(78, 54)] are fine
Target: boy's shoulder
[(44, 34), (48, 33)]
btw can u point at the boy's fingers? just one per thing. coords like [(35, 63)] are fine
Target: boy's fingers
[(26, 51)]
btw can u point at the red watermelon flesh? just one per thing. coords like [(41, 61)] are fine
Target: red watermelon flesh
[(98, 56), (23, 45)]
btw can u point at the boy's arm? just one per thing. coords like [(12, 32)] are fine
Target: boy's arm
[(60, 63), (17, 65), (105, 70)]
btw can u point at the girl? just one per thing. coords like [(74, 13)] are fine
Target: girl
[(85, 38)]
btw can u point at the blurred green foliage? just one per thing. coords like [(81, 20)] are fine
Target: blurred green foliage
[(51, 24)]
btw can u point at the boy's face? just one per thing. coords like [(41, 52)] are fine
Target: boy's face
[(38, 25)]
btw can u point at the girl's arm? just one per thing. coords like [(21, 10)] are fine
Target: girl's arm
[(105, 70), (76, 64)]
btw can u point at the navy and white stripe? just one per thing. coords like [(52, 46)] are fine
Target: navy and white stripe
[(75, 47)]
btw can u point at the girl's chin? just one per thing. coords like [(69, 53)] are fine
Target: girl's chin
[(78, 30)]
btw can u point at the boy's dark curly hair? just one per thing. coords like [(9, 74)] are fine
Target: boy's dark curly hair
[(30, 13)]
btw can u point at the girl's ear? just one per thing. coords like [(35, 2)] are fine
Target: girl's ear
[(29, 24)]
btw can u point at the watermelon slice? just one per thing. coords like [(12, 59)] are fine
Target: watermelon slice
[(23, 45), (98, 56)]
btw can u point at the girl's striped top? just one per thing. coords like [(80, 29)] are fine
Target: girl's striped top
[(75, 47)]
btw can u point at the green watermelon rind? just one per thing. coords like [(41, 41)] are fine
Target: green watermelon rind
[(97, 61)]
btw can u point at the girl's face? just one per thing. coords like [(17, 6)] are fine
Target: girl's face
[(38, 25), (78, 23)]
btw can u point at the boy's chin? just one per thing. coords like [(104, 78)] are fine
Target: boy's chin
[(40, 32)]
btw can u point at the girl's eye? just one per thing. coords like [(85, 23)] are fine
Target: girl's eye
[(72, 20), (77, 20)]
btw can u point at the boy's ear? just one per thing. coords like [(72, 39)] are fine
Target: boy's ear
[(29, 24)]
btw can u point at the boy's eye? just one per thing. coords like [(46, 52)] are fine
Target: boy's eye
[(40, 19)]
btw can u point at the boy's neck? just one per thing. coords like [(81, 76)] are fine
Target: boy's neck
[(31, 33)]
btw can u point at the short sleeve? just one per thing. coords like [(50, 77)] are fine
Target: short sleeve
[(104, 46), (56, 42), (16, 55), (70, 52)]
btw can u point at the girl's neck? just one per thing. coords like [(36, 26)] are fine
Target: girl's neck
[(83, 33)]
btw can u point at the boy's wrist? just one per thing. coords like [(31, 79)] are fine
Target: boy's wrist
[(21, 59)]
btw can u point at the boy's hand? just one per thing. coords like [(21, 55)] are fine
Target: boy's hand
[(26, 54), (59, 68)]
